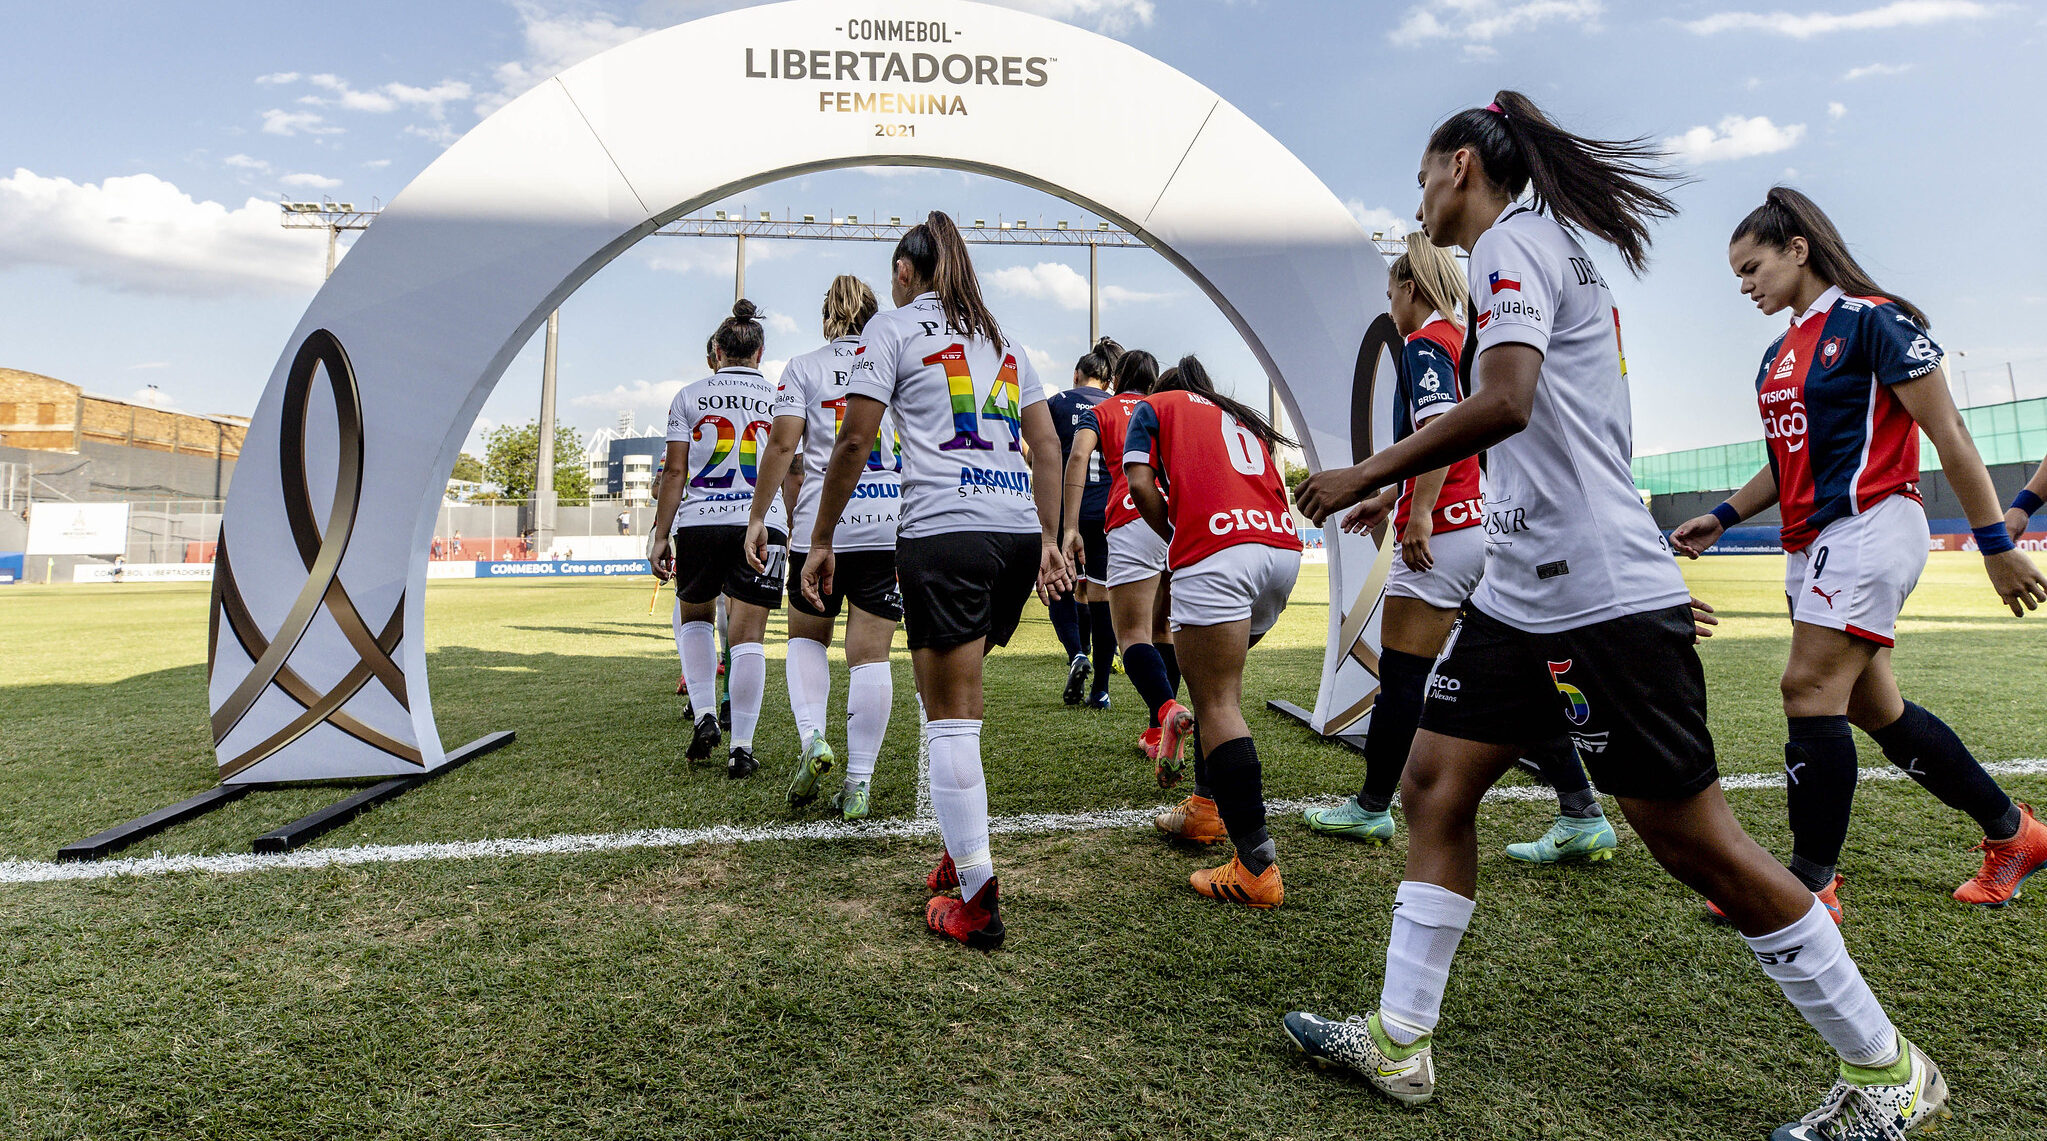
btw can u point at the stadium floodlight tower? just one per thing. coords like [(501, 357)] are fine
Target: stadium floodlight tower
[(318, 663)]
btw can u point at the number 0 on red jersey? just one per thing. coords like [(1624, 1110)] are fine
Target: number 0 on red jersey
[(1225, 487)]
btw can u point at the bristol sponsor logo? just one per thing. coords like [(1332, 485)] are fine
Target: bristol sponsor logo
[(1503, 281), (1922, 350), (1431, 381), (1250, 519)]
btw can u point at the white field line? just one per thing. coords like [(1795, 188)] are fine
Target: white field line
[(36, 871), (924, 811)]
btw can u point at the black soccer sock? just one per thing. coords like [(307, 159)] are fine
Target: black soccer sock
[(1819, 771), (1238, 784), (1147, 671), (1172, 659), (1560, 767), (1201, 785), (1930, 753), (1066, 623), (1395, 716), (1105, 644)]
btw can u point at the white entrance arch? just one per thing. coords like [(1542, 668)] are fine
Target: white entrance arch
[(317, 660)]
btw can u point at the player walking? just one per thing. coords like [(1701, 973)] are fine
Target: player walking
[(716, 427), (1438, 519), (808, 406), (1084, 617), (1234, 552), (1138, 600), (978, 526), (1581, 623), (1844, 394)]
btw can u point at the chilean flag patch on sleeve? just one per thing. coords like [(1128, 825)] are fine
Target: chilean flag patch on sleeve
[(1504, 281)]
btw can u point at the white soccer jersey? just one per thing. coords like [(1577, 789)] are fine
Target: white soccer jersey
[(725, 418), (1569, 540), (958, 407), (814, 386)]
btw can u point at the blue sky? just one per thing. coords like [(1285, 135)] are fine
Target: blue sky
[(143, 147)]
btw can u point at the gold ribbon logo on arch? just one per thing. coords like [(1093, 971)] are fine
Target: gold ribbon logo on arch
[(320, 549)]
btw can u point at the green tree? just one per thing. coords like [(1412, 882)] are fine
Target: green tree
[(511, 453), (468, 469)]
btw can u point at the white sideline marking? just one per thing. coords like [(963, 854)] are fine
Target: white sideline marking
[(37, 871), (924, 811)]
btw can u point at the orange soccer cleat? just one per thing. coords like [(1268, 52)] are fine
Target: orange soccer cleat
[(977, 922), (2007, 863), (1176, 725), (1829, 895), (1194, 819), (945, 876), (1234, 883)]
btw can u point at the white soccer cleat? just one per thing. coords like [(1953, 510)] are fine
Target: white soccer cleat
[(1360, 1045), (1872, 1105)]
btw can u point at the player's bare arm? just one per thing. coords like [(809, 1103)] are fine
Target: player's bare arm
[(777, 470), (2026, 502), (1084, 440), (1041, 439), (849, 458), (1507, 376), (1694, 536), (1144, 492), (660, 554), (2012, 573)]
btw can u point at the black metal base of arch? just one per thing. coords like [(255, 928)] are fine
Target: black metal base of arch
[(311, 827), (284, 839)]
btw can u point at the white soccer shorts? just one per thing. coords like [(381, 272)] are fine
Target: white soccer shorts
[(1460, 563), (1856, 575), (1135, 553), (1249, 580)]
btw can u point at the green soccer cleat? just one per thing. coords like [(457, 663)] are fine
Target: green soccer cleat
[(1876, 1105), (1407, 1074), (1571, 840), (850, 802), (816, 761), (1350, 821)]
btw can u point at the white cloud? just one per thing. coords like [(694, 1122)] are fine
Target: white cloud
[(1378, 219), (281, 122), (1104, 15), (1042, 361), (244, 162), (389, 97), (277, 77), (555, 42), (347, 97), (378, 163), (1898, 14), (638, 395), (1867, 70), (1060, 284), (1479, 21), (139, 233), (1734, 137), (1836, 110), (150, 396), (310, 181), (779, 323)]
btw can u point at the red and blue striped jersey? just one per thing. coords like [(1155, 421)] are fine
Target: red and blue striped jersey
[(1224, 485), (1840, 441), (1110, 421), (1429, 384)]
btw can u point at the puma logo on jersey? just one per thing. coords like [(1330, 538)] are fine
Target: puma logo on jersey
[(1828, 597)]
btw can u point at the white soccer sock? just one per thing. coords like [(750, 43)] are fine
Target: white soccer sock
[(810, 685), (1811, 964), (697, 642), (869, 697), (1428, 923), (746, 682), (959, 797)]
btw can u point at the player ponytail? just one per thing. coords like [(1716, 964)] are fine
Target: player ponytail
[(848, 306), (739, 337), (1604, 187), (1190, 376), (1099, 363), (1137, 372), (1786, 214), (1434, 274), (938, 259)]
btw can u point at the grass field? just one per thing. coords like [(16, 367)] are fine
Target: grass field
[(777, 989)]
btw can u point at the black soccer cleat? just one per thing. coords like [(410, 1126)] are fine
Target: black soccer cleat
[(704, 739), (740, 764), (1076, 679), (725, 713)]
